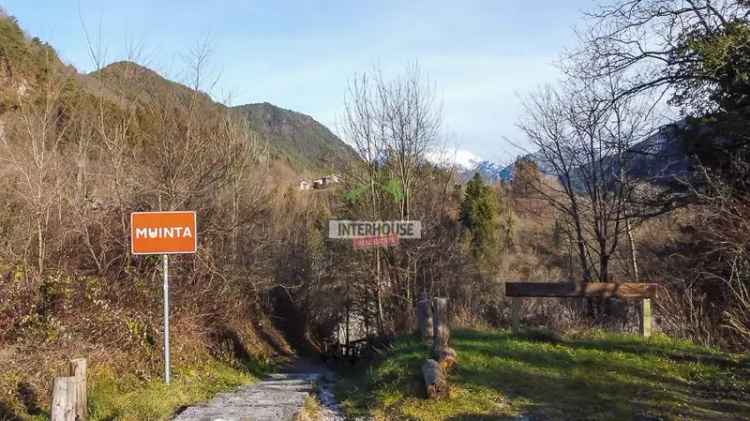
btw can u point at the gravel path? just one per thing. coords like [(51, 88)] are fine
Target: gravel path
[(278, 398)]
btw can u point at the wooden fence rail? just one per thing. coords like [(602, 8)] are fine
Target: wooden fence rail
[(625, 290), (628, 290)]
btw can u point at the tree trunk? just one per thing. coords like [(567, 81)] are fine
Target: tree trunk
[(40, 245), (378, 293), (633, 255)]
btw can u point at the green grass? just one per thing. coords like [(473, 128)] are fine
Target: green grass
[(601, 376), (128, 398)]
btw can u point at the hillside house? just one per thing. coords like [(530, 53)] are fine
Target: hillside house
[(319, 183)]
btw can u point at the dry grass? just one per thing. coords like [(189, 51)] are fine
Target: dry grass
[(123, 347), (310, 410)]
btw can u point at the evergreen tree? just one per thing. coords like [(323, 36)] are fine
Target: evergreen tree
[(718, 90), (479, 216)]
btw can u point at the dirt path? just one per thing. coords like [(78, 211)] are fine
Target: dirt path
[(278, 398)]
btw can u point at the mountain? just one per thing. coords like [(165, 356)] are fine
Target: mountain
[(25, 63), (297, 142), (134, 82), (658, 159), (661, 157), (506, 173), (490, 172), (298, 139), (305, 142)]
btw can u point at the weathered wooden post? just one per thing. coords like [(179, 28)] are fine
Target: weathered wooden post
[(435, 382), (424, 317), (515, 314), (78, 371), (69, 402), (646, 317), (63, 399), (434, 371), (440, 329)]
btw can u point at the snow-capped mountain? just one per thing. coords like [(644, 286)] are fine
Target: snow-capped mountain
[(492, 172)]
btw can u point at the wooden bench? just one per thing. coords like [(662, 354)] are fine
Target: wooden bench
[(629, 290)]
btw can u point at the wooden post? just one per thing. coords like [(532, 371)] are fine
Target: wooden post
[(515, 314), (646, 317), (435, 382), (440, 329), (78, 370), (63, 399), (424, 317)]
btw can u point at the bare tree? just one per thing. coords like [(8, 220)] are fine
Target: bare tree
[(585, 137), (392, 123), (395, 123), (410, 121), (645, 42), (31, 151)]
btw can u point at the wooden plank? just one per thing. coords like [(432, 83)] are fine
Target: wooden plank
[(570, 289)]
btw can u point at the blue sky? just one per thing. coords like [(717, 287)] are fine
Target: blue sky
[(300, 55)]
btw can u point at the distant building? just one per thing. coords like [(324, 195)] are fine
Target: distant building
[(319, 183)]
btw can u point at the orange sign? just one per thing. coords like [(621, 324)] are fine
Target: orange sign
[(163, 232)]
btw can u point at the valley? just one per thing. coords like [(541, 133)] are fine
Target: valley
[(315, 251)]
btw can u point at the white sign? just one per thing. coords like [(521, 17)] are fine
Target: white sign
[(344, 229)]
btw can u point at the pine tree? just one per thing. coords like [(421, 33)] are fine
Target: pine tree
[(479, 216)]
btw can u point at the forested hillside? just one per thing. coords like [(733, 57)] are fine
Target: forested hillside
[(304, 142)]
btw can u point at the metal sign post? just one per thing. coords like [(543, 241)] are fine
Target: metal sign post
[(166, 318), (164, 233)]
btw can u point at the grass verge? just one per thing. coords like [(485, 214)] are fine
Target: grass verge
[(310, 410), (599, 376), (128, 398)]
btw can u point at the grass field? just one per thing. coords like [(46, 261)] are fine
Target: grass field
[(541, 376)]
